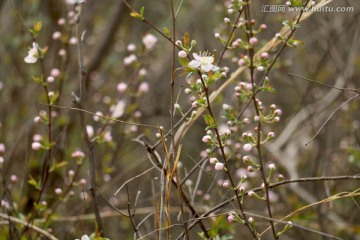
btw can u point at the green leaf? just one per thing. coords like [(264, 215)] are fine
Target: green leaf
[(37, 26), (142, 9), (34, 183), (287, 23), (58, 166), (138, 15), (297, 3), (36, 29), (183, 61), (39, 80), (167, 31), (209, 121)]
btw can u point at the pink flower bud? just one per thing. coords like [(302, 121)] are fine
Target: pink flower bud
[(36, 146), (206, 139), (231, 218), (56, 35), (58, 191), (219, 166), (182, 54), (253, 40), (55, 72), (213, 161), (247, 147), (226, 184), (144, 87), (121, 87)]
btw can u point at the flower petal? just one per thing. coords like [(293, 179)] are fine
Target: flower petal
[(196, 56), (30, 59), (207, 67), (194, 64)]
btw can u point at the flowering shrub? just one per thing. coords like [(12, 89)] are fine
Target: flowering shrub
[(151, 121)]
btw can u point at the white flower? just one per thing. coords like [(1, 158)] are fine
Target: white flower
[(75, 1), (149, 41), (90, 131), (33, 54), (118, 109), (85, 237), (203, 62)]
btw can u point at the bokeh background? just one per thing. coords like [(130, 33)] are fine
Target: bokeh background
[(329, 55)]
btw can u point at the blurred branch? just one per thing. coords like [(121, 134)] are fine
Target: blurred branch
[(104, 45), (89, 144), (31, 226)]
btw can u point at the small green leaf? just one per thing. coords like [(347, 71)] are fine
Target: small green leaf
[(36, 29), (34, 183), (58, 166), (297, 3), (167, 31), (37, 26), (142, 9), (287, 23), (39, 80), (183, 61)]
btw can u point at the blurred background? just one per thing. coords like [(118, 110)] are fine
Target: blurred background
[(329, 55)]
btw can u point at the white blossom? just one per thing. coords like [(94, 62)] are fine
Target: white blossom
[(33, 54), (203, 62)]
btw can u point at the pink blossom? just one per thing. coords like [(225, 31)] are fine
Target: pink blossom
[(55, 72), (231, 218), (58, 191), (149, 41), (213, 161), (206, 139), (247, 147), (121, 87), (36, 146), (78, 154), (56, 35), (130, 59), (219, 166), (251, 193), (182, 54), (2, 148), (131, 47), (61, 21), (253, 40), (226, 184), (144, 87), (13, 178)]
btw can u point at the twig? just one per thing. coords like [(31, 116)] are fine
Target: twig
[(323, 125), (129, 210), (324, 84), (31, 226), (133, 178), (103, 117)]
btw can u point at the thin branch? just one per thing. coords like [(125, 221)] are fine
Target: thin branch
[(323, 125), (89, 144), (324, 84), (103, 117), (31, 226)]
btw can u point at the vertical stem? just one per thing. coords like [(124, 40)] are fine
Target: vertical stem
[(172, 102), (258, 144), (89, 144)]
